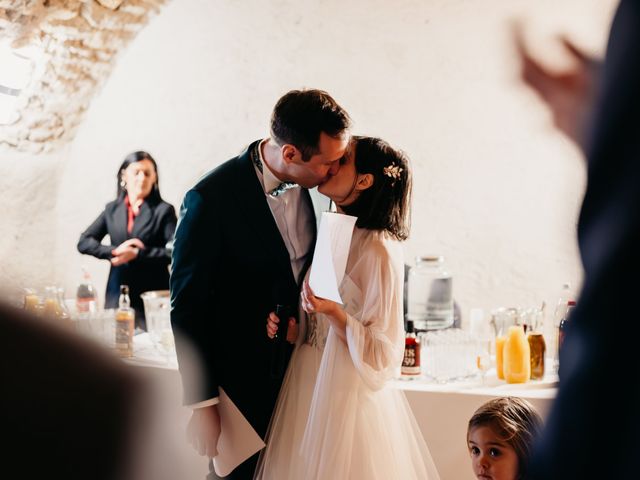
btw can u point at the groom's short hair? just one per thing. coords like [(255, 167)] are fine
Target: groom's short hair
[(301, 115)]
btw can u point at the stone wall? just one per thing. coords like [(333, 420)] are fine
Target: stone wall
[(72, 48)]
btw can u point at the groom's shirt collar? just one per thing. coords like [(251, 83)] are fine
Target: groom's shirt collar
[(271, 184)]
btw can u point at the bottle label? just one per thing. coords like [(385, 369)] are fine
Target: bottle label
[(411, 360), (86, 305), (124, 333)]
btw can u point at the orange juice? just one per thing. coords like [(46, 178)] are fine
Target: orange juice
[(516, 356), (31, 302), (499, 355), (51, 308)]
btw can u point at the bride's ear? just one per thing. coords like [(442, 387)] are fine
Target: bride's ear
[(365, 181)]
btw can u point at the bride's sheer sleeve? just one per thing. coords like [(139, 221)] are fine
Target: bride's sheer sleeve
[(375, 330)]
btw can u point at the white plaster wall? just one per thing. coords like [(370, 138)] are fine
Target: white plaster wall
[(28, 220), (496, 189)]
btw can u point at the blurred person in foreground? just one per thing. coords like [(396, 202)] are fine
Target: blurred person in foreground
[(592, 429), (68, 409), (71, 409), (140, 225)]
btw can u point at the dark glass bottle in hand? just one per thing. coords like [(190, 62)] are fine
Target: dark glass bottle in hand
[(280, 347)]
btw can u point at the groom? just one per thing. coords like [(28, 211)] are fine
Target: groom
[(243, 243)]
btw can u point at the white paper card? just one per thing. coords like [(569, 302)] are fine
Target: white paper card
[(238, 440), (330, 255)]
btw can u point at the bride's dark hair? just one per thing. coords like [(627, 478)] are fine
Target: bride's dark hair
[(386, 204)]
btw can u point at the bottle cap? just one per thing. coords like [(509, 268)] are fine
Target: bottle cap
[(430, 259), (124, 289), (409, 326)]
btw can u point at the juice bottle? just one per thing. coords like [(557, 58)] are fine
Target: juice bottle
[(517, 356), (499, 356)]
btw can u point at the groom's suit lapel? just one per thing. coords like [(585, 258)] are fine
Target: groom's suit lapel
[(251, 198)]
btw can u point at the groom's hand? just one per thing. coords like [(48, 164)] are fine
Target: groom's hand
[(272, 327), (203, 430)]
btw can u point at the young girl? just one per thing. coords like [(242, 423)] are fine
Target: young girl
[(336, 418), (500, 436)]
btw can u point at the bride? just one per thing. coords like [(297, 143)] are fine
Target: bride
[(336, 418)]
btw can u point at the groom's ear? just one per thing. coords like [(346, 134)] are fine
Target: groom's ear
[(364, 181), (289, 153)]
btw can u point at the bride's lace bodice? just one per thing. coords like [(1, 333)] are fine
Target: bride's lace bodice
[(317, 330)]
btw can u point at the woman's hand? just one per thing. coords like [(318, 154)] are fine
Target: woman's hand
[(313, 304), (336, 315), (126, 251), (272, 327)]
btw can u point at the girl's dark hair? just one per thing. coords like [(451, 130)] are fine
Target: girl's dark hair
[(515, 421), (132, 158), (386, 204), (300, 116)]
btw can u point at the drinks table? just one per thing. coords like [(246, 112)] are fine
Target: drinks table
[(441, 410)]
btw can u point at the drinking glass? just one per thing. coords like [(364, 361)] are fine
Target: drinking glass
[(158, 315), (483, 359)]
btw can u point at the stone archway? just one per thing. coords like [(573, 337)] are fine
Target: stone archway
[(73, 45)]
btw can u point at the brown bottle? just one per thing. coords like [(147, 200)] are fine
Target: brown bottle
[(564, 323), (411, 360), (537, 347)]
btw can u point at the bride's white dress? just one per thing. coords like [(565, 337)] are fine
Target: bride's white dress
[(336, 418)]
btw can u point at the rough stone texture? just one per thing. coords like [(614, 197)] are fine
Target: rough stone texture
[(76, 42)]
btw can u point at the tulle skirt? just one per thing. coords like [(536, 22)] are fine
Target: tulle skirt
[(329, 425)]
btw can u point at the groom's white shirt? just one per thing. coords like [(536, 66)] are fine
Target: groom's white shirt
[(294, 219)]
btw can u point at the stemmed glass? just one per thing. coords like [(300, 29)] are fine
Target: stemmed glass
[(483, 359)]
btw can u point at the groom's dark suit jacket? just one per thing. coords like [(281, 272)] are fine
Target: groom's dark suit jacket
[(230, 268)]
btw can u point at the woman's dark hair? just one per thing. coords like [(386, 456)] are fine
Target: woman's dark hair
[(515, 421), (385, 205), (301, 115), (133, 158)]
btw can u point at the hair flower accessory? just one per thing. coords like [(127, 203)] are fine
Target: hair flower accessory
[(392, 171)]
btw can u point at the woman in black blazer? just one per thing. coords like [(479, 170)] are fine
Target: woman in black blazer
[(140, 225)]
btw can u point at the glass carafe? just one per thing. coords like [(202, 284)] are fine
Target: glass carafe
[(430, 296)]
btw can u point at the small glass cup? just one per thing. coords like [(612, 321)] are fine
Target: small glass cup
[(108, 322), (483, 359), (31, 300)]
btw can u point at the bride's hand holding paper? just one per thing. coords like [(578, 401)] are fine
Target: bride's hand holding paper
[(313, 304)]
